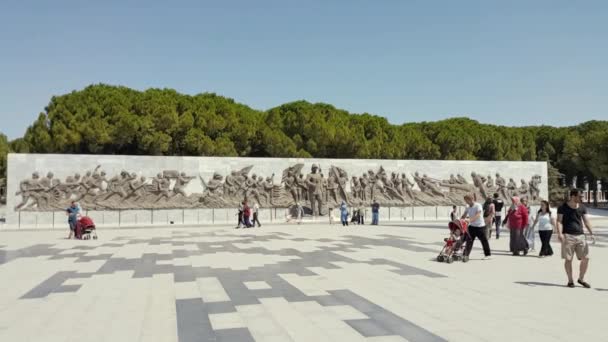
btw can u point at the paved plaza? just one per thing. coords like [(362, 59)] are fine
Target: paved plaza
[(288, 283)]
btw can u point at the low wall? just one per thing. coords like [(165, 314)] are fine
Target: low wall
[(195, 217)]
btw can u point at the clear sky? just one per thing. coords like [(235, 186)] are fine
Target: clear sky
[(515, 62)]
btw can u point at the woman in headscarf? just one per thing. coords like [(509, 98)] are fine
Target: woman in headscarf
[(529, 230), (517, 219), (344, 213)]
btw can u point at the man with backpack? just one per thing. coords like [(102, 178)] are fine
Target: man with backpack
[(498, 205)]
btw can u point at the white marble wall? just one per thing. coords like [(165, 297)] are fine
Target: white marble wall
[(21, 166)]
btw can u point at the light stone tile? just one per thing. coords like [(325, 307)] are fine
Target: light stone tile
[(211, 290), (187, 290), (346, 312), (226, 321)]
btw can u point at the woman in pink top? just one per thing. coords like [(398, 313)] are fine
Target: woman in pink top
[(518, 220)]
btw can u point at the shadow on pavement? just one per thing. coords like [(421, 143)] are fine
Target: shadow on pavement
[(536, 283)]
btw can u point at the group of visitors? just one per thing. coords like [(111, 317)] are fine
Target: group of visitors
[(247, 216), (569, 224), (358, 214)]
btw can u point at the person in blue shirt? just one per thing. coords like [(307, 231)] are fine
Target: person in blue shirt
[(344, 213), (73, 211)]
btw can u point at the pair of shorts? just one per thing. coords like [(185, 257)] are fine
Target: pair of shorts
[(72, 225), (575, 244)]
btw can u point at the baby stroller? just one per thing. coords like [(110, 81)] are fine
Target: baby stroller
[(85, 228), (455, 244)]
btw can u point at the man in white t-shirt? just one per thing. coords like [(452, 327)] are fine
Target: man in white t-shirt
[(476, 228)]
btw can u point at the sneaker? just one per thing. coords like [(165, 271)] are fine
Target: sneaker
[(465, 258), (584, 284), (570, 284), (487, 257)]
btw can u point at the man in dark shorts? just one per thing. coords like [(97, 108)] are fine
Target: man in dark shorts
[(570, 219)]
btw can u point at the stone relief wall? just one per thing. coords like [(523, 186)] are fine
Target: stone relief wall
[(142, 182)]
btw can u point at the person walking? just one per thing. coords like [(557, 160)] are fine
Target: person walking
[(375, 212), (498, 205), (517, 219), (545, 228), (247, 215), (240, 215), (73, 211), (529, 230), (256, 209), (571, 217), (344, 214), (476, 229), (488, 216)]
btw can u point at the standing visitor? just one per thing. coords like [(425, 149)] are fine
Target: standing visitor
[(517, 219), (299, 213), (545, 228), (256, 209), (73, 211), (474, 213), (529, 230), (488, 216), (571, 216), (344, 214), (240, 215), (498, 205), (375, 212), (453, 214), (361, 216), (247, 215)]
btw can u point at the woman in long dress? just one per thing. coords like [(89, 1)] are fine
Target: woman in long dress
[(517, 219)]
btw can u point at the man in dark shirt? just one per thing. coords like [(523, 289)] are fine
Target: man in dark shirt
[(375, 212), (498, 205), (570, 219)]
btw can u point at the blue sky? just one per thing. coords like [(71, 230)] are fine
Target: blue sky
[(505, 62)]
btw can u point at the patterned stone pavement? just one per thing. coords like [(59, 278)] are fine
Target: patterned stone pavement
[(287, 283)]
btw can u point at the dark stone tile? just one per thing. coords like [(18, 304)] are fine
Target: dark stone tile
[(48, 286), (393, 324), (193, 323), (368, 328), (67, 288), (219, 307)]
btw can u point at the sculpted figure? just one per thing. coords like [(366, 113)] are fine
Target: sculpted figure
[(523, 188), (431, 186), (268, 187), (355, 187), (181, 182), (253, 188), (479, 183), (290, 180), (534, 187), (501, 185), (332, 189), (28, 189), (461, 179), (136, 188), (230, 184), (315, 196), (419, 181), (302, 188), (512, 187), (214, 187), (363, 183), (490, 182), (407, 186)]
